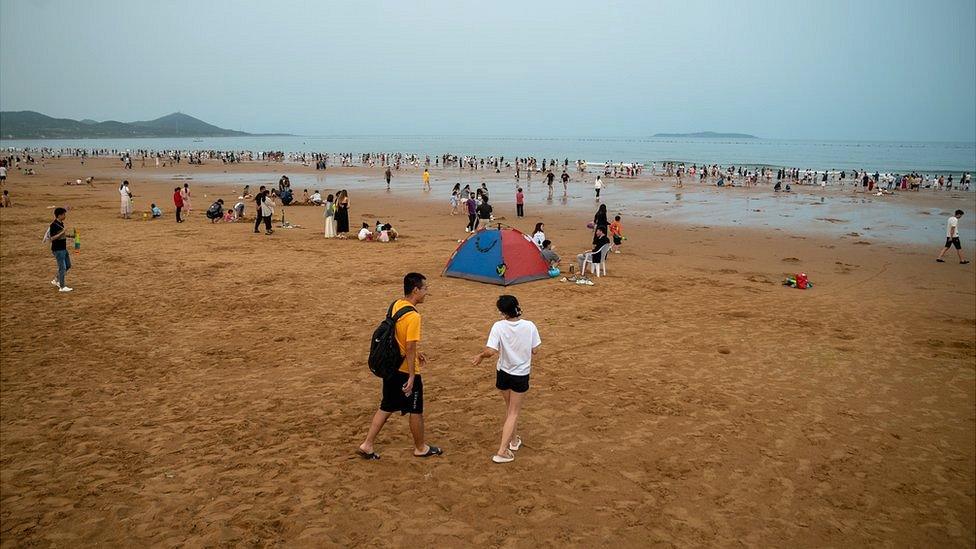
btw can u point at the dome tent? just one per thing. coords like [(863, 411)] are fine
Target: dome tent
[(498, 256)]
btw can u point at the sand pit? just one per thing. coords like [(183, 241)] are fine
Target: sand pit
[(204, 385)]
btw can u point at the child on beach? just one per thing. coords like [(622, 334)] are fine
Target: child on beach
[(616, 232), (155, 211), (515, 341), (5, 200), (388, 233), (519, 203), (230, 216), (365, 234)]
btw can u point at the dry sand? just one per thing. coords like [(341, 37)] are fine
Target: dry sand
[(204, 385)]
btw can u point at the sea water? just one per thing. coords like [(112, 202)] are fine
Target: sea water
[(891, 156)]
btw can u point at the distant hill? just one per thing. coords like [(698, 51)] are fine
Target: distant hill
[(34, 125), (707, 135)]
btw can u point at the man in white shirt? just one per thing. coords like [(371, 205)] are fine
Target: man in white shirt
[(952, 239), (316, 198)]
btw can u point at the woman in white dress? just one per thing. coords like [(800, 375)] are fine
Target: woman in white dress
[(126, 200), (185, 193), (330, 225)]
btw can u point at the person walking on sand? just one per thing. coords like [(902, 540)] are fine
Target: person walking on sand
[(59, 248), (178, 202), (515, 341), (404, 391), (258, 199), (598, 186), (426, 180), (952, 239), (126, 196), (389, 175), (471, 206)]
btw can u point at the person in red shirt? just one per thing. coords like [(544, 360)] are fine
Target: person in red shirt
[(178, 201), (519, 203)]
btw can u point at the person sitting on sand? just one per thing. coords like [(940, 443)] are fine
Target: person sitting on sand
[(515, 341), (316, 198), (388, 233), (230, 216), (246, 193), (549, 254), (365, 234), (154, 211), (306, 200), (538, 235), (285, 196), (216, 211)]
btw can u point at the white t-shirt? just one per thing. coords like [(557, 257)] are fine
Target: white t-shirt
[(3, 171), (598, 184), (514, 341), (952, 224), (539, 238), (363, 233)]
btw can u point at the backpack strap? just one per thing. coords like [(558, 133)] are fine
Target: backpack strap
[(403, 311)]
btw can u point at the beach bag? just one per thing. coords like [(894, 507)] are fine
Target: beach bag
[(801, 281), (384, 353)]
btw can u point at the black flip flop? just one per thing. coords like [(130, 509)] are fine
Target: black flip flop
[(431, 451), (940, 260), (369, 457), (964, 262)]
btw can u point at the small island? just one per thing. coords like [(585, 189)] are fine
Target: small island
[(708, 135)]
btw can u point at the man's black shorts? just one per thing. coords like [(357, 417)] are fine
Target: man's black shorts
[(617, 240), (395, 401), (954, 241), (505, 381)]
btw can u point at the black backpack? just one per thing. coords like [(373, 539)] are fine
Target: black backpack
[(384, 353)]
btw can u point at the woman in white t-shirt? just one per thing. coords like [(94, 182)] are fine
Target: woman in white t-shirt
[(538, 236), (515, 341)]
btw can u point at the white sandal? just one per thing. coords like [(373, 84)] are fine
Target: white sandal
[(503, 459), (518, 444)]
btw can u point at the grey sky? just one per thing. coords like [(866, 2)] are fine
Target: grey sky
[(861, 69)]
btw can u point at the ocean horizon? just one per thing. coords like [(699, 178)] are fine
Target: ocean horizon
[(886, 156)]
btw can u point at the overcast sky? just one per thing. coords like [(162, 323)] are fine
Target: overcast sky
[(858, 69)]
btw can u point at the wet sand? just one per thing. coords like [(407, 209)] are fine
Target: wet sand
[(205, 385)]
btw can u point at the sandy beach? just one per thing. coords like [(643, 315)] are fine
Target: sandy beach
[(204, 385)]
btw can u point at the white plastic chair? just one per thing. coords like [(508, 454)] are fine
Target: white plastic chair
[(595, 268)]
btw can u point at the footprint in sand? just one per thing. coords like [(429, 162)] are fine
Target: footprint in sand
[(791, 259), (724, 351), (863, 242)]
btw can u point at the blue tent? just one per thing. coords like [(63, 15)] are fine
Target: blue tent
[(503, 256)]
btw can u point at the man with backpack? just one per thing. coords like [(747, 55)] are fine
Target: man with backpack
[(400, 367)]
